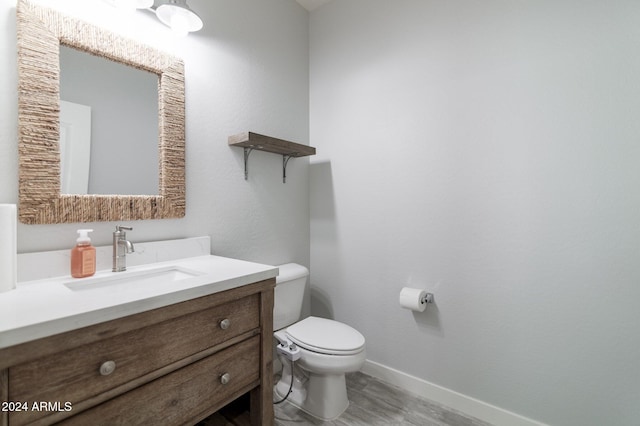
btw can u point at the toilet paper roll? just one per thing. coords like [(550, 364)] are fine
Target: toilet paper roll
[(8, 247), (413, 298)]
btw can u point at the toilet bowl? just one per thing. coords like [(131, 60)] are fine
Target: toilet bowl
[(326, 350)]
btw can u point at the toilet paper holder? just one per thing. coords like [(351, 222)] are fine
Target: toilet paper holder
[(415, 299), (428, 298)]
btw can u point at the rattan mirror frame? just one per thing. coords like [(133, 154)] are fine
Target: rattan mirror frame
[(40, 32)]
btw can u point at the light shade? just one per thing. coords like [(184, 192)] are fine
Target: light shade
[(177, 15)]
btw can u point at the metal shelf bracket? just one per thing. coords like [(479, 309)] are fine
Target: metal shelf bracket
[(285, 160), (247, 151)]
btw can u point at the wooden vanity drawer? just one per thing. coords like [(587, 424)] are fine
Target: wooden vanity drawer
[(74, 375), (192, 392)]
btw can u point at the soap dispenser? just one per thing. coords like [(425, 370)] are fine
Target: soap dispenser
[(83, 256)]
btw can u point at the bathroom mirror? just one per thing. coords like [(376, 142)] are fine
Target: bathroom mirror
[(108, 126), (41, 32)]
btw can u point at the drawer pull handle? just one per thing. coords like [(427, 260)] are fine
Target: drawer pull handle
[(107, 368), (225, 378), (225, 323)]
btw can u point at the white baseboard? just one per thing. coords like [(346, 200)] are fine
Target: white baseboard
[(457, 401)]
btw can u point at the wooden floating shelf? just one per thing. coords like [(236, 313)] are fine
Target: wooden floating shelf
[(250, 141), (269, 144)]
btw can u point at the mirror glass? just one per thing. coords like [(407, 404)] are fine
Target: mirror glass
[(108, 126)]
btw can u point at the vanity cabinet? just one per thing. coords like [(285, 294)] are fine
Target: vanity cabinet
[(174, 365)]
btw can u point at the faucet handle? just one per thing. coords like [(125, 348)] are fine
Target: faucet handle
[(123, 228)]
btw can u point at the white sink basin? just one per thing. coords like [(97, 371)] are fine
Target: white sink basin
[(133, 280)]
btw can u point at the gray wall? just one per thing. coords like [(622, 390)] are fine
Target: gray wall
[(246, 70), (487, 151)]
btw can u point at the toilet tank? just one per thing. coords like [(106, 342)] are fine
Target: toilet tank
[(289, 293)]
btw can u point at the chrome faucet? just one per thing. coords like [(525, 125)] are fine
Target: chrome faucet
[(121, 247)]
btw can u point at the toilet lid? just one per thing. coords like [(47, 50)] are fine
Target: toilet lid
[(326, 336)]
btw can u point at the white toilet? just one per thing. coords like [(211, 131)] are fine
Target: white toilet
[(326, 349)]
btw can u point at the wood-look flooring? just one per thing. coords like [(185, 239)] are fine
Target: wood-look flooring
[(372, 403)]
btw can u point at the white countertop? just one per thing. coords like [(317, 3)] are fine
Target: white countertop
[(41, 308)]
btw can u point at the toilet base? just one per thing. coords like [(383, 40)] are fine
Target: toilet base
[(323, 396)]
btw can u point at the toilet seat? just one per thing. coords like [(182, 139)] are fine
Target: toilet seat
[(326, 336)]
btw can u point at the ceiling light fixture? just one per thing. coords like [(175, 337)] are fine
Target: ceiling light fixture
[(178, 16)]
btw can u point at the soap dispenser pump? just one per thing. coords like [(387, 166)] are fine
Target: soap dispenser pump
[(83, 256)]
